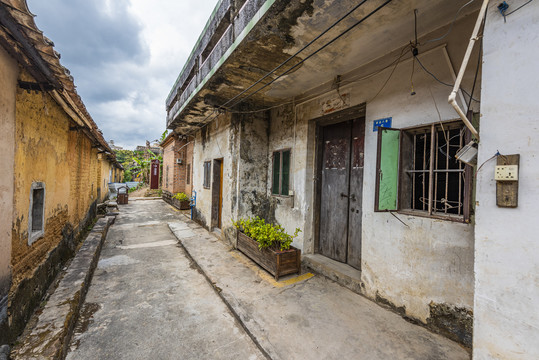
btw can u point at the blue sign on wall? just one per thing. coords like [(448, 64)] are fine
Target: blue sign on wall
[(381, 123)]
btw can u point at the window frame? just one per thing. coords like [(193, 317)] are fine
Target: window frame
[(34, 235), (206, 180), (429, 213), (280, 152)]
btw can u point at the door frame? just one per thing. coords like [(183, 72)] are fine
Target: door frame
[(217, 193), (354, 112)]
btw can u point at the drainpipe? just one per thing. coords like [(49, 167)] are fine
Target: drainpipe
[(453, 96)]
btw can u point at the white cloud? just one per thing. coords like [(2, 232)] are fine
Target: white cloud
[(125, 56)]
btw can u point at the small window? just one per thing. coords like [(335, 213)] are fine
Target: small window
[(207, 173), (281, 173), (432, 181), (188, 179), (36, 218)]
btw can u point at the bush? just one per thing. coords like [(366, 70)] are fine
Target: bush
[(181, 196), (266, 235)]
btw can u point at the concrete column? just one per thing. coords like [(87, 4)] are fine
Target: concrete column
[(507, 240)]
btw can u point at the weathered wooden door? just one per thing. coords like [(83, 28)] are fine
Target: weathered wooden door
[(154, 174), (341, 191), (217, 193)]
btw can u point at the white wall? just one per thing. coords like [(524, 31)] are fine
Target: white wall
[(429, 261), (8, 87), (215, 146), (506, 323)]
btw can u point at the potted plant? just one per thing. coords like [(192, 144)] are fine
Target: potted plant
[(181, 201), (269, 246)]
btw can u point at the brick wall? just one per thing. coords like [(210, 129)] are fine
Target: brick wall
[(175, 176), (49, 152)]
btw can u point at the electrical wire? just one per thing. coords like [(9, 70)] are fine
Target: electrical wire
[(452, 24), (316, 52), (518, 8), (440, 81), (391, 74), (297, 52)]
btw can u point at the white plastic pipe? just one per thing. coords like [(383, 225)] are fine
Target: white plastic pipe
[(453, 96)]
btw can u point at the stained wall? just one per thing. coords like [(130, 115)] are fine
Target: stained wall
[(8, 84), (506, 315)]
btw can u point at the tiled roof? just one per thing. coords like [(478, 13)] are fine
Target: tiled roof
[(21, 37)]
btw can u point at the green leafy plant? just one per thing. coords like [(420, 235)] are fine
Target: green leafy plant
[(181, 196), (268, 236)]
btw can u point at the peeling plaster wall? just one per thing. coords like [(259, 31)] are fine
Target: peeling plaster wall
[(242, 142), (47, 151), (409, 267), (8, 88), (507, 247), (214, 142)]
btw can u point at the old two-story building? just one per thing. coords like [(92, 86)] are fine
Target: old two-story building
[(55, 166), (177, 165), (360, 123)]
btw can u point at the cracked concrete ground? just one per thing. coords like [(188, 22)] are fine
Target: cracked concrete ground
[(149, 299)]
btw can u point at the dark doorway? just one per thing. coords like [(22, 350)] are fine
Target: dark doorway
[(154, 175), (341, 191), (217, 194)]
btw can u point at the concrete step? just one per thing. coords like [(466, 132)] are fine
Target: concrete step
[(49, 336)]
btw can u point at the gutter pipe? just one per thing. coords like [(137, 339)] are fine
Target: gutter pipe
[(453, 96)]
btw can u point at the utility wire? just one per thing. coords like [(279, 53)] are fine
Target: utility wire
[(440, 81), (316, 52), (518, 8), (284, 62), (452, 24), (297, 52)]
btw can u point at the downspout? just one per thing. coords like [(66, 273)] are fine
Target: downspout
[(453, 96)]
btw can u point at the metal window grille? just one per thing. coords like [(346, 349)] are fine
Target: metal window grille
[(436, 180)]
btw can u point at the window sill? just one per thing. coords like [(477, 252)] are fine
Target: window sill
[(35, 236), (424, 214), (281, 196)]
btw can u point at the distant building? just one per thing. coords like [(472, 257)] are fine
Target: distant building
[(114, 147), (177, 165)]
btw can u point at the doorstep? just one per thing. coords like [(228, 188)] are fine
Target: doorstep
[(342, 274)]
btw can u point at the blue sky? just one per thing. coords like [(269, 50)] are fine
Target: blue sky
[(125, 56)]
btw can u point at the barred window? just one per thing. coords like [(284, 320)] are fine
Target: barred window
[(419, 173)]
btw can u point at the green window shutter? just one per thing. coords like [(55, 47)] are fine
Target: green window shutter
[(276, 172), (387, 180), (286, 173)]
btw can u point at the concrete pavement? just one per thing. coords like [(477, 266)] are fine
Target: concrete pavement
[(149, 299), (308, 317)]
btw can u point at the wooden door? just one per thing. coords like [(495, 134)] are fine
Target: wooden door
[(217, 193), (335, 188), (355, 211), (341, 191), (154, 175)]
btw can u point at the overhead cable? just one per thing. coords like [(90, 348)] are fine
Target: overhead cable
[(317, 51), (452, 24), (298, 52)]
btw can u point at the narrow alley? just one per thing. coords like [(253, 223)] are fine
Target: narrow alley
[(269, 179), (148, 300)]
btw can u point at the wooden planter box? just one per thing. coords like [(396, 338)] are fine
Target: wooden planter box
[(277, 263), (182, 205)]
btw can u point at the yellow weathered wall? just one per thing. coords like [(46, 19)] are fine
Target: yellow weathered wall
[(48, 151), (8, 85)]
